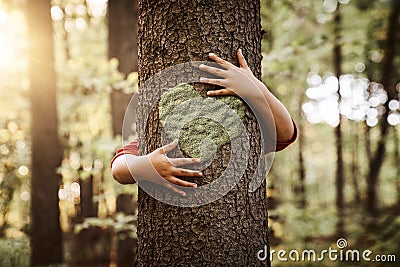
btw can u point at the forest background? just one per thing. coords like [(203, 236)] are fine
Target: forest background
[(341, 179)]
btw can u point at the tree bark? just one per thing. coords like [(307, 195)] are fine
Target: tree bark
[(122, 41), (46, 240), (231, 230), (337, 56), (388, 83)]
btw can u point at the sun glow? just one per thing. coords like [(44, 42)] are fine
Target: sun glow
[(12, 40)]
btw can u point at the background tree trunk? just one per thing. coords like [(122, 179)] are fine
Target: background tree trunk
[(337, 56), (231, 230), (46, 241), (378, 155), (301, 188), (122, 44), (87, 207), (355, 164), (126, 254), (397, 160)]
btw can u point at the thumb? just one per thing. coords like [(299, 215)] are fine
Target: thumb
[(242, 60), (169, 147)]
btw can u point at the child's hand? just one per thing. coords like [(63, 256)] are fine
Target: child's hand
[(155, 167), (274, 119), (236, 81), (167, 168)]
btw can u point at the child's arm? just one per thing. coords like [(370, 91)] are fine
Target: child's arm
[(155, 167), (240, 81)]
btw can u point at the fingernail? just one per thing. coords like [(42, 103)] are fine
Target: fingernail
[(208, 93), (202, 79), (200, 173), (183, 194), (211, 54), (201, 66), (194, 185)]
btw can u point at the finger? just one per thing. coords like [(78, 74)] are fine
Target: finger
[(169, 147), (219, 82), (184, 172), (180, 182), (242, 60), (212, 70), (220, 61), (183, 161), (174, 189), (221, 92)]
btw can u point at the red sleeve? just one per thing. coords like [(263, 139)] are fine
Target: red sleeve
[(131, 148), (282, 145)]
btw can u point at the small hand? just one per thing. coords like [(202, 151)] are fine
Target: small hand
[(237, 81), (167, 168)]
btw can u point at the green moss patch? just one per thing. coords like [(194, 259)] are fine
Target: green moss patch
[(202, 125)]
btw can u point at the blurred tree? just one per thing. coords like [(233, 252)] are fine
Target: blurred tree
[(231, 230), (122, 45), (355, 161), (46, 240), (337, 61), (389, 84), (300, 189)]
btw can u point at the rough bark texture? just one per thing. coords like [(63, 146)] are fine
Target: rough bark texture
[(231, 230), (46, 242), (122, 41)]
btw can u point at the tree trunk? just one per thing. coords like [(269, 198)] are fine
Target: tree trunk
[(231, 230), (87, 207), (46, 241), (337, 55), (122, 45), (126, 256), (355, 165), (389, 85), (301, 189), (397, 160), (122, 41)]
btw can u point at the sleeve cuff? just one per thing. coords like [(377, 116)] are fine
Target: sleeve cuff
[(131, 148), (282, 145)]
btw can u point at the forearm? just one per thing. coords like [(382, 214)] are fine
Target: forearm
[(120, 169), (272, 113)]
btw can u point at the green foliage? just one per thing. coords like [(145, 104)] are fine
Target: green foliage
[(205, 123), (121, 223), (14, 252)]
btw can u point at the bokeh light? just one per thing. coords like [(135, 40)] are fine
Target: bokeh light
[(361, 100)]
